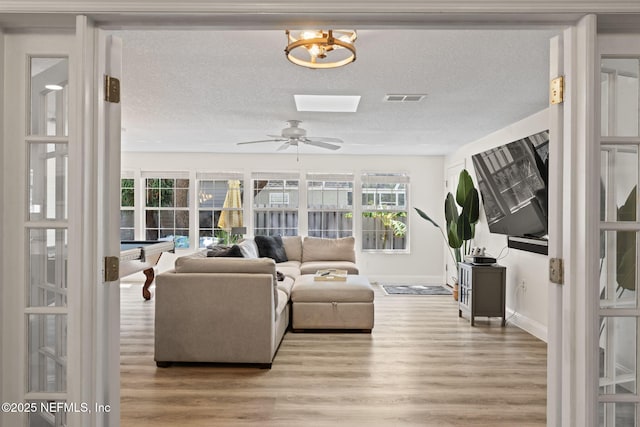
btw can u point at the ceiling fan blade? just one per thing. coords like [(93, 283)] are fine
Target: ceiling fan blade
[(324, 139), (262, 140), (320, 144), (284, 146)]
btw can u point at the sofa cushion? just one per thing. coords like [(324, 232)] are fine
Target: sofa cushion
[(188, 264), (289, 268), (285, 286), (319, 249), (283, 300), (293, 247), (313, 266), (271, 247), (249, 248)]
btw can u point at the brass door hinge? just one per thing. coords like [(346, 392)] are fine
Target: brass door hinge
[(111, 89), (556, 271), (111, 268), (556, 95)]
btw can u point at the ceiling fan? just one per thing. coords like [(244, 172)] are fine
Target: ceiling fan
[(294, 135)]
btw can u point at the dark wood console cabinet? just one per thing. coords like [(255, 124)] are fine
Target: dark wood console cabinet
[(482, 290)]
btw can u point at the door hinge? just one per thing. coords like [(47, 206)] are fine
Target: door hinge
[(111, 89), (111, 268), (556, 95), (556, 270)]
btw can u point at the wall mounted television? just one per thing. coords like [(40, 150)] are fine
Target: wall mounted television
[(512, 179)]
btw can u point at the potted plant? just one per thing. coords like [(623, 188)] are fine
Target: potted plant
[(461, 225)]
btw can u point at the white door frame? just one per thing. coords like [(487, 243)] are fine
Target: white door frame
[(98, 132), (572, 309), (3, 264), (572, 364)]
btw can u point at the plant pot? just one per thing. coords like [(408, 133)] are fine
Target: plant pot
[(455, 291)]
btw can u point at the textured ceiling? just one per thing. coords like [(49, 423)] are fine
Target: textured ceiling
[(204, 91)]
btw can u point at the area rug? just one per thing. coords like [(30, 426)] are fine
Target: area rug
[(416, 290)]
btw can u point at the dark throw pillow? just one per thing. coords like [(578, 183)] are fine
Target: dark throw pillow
[(214, 250), (271, 247), (234, 252)]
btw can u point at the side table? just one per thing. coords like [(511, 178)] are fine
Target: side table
[(482, 290)]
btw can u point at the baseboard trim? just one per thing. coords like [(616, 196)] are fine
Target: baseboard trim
[(406, 279), (531, 326)]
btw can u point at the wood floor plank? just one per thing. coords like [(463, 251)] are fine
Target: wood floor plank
[(422, 365)]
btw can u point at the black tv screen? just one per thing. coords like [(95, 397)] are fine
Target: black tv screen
[(512, 179)]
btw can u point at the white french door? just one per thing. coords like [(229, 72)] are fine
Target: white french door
[(619, 308), (61, 157)]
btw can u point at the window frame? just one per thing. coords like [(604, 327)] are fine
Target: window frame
[(381, 207), (324, 209), (132, 208), (222, 234), (282, 213), (181, 240)]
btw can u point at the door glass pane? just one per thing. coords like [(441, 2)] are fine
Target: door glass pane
[(48, 181), (47, 334), (44, 413), (619, 178), (619, 100), (49, 97), (47, 268), (618, 346), (617, 414), (618, 271)]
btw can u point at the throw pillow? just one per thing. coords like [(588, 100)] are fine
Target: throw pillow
[(216, 249), (234, 251), (248, 248), (271, 247)]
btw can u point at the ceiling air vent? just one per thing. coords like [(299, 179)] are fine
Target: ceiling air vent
[(404, 98)]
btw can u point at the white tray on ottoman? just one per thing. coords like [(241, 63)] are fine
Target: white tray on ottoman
[(332, 304)]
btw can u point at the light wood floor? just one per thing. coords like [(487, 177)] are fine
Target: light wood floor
[(421, 366)]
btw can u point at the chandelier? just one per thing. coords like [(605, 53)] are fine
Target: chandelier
[(320, 48)]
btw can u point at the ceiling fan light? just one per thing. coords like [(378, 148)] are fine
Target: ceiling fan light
[(306, 48)]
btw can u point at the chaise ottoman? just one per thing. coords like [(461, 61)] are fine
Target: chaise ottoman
[(332, 304)]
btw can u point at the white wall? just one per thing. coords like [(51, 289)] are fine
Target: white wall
[(424, 260), (528, 303)]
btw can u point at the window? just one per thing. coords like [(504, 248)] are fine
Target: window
[(330, 205), (275, 204), (127, 208), (167, 208), (384, 211), (220, 202)]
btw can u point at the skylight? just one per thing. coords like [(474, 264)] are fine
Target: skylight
[(327, 103)]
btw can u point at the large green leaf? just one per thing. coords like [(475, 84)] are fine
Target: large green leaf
[(465, 184), (450, 210), (471, 207), (626, 245), (464, 227), (425, 216), (452, 235)]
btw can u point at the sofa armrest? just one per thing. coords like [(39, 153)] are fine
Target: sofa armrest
[(204, 317)]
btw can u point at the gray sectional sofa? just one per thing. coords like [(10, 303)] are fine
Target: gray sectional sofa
[(235, 310)]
